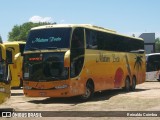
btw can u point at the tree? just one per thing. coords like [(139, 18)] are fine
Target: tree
[(1, 39), (20, 32), (157, 44)]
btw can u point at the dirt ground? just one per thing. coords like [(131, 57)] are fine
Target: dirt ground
[(145, 98)]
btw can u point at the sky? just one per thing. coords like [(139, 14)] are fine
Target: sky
[(124, 16)]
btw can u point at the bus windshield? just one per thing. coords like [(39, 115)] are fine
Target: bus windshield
[(153, 63), (51, 38), (46, 66)]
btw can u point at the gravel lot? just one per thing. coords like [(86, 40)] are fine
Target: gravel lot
[(145, 98)]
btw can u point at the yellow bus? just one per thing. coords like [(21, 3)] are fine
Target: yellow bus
[(17, 49), (5, 57), (78, 60)]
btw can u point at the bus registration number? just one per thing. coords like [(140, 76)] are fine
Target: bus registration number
[(42, 93)]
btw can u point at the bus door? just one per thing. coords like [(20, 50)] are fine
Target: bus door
[(77, 52), (10, 53), (4, 76)]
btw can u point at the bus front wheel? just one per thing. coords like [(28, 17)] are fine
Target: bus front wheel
[(89, 91)]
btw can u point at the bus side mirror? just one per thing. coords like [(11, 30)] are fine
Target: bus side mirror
[(67, 59), (17, 56), (141, 51), (2, 52)]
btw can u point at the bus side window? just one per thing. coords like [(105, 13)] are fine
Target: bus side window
[(77, 51), (0, 55), (91, 39), (21, 48), (1, 66), (3, 69), (9, 56), (150, 67)]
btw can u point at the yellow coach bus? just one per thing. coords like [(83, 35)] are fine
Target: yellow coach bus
[(78, 60), (17, 49), (5, 57)]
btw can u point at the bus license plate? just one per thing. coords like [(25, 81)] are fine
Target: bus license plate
[(42, 93)]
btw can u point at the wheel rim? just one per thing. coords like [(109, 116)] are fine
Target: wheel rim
[(87, 93), (127, 84), (134, 83)]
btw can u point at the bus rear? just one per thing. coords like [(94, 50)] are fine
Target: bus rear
[(153, 66)]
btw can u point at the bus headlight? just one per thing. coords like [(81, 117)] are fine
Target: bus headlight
[(61, 87), (2, 89)]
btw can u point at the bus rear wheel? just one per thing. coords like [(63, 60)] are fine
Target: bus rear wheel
[(133, 87), (158, 78), (127, 85), (88, 92)]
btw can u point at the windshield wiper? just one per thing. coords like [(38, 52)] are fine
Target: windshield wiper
[(52, 47), (56, 78), (33, 48)]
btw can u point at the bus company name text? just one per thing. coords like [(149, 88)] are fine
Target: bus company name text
[(51, 39), (105, 58)]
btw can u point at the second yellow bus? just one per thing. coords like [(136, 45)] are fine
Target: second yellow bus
[(16, 49)]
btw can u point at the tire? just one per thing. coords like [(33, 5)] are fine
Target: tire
[(159, 78), (88, 93), (127, 85), (133, 86)]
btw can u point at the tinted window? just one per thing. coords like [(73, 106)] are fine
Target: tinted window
[(91, 39), (21, 48), (3, 69), (111, 42), (0, 54), (77, 51), (43, 67), (153, 63), (48, 38), (9, 56)]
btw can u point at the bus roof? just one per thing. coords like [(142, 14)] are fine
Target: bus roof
[(14, 43), (152, 54), (89, 26), (72, 25)]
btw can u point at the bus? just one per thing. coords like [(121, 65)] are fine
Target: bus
[(5, 88), (65, 60), (16, 49), (153, 66)]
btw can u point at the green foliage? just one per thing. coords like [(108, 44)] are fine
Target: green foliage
[(157, 44), (1, 40), (20, 32)]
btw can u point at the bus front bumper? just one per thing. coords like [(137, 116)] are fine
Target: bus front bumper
[(59, 92)]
